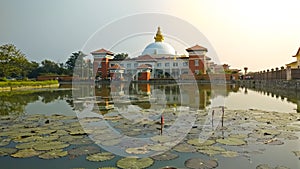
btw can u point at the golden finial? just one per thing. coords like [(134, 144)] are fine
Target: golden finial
[(159, 37)]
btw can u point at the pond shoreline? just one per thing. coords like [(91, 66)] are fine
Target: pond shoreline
[(26, 85)]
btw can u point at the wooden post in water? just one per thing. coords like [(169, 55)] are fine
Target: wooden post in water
[(212, 118), (222, 116), (161, 124)]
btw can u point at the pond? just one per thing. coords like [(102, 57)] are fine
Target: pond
[(149, 126)]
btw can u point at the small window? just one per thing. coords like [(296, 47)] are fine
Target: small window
[(122, 65), (158, 64), (196, 62), (128, 65), (99, 65), (175, 64), (167, 64), (185, 64), (136, 64)]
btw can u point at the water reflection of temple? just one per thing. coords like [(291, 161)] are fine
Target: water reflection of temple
[(141, 94)]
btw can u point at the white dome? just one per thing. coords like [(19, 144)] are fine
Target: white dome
[(159, 48)]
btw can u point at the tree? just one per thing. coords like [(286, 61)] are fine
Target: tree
[(76, 59), (13, 62), (120, 56)]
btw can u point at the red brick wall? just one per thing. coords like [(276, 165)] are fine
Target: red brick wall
[(192, 66), (104, 67), (144, 76)]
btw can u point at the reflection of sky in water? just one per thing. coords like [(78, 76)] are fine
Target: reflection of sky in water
[(255, 100), (54, 107)]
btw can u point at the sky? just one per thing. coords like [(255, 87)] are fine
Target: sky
[(258, 34)]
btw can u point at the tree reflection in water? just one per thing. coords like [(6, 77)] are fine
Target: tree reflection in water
[(14, 103)]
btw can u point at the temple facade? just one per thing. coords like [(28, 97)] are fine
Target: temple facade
[(158, 60)]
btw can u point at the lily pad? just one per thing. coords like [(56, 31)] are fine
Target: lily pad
[(54, 154), (4, 151), (211, 150), (112, 142), (297, 153), (68, 138), (50, 145), (165, 156), (134, 163), (162, 139), (273, 141), (231, 141), (201, 142), (100, 156), (4, 141), (266, 166), (84, 150), (184, 148), (27, 145), (229, 154), (159, 147), (25, 153), (82, 141), (198, 163), (137, 150)]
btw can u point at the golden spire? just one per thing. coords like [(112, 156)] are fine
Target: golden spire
[(159, 37)]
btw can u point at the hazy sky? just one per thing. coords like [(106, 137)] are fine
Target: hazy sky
[(259, 34)]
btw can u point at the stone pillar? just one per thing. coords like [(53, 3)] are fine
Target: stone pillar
[(281, 72), (288, 73), (277, 73)]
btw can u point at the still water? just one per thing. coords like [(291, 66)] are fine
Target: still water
[(246, 115)]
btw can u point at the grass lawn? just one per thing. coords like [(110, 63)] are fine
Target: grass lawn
[(27, 83)]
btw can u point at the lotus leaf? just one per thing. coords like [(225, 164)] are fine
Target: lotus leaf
[(288, 136), (266, 166), (162, 139), (134, 163), (159, 147), (60, 132), (201, 142), (54, 154), (198, 163), (269, 132), (83, 150), (45, 131), (7, 151), (240, 136), (48, 138), (110, 142), (231, 141), (27, 139), (184, 148), (137, 150), (4, 141), (273, 141), (211, 150), (229, 154), (27, 145), (297, 153), (77, 131), (82, 141), (25, 153), (165, 156), (100, 156), (68, 138), (50, 145)]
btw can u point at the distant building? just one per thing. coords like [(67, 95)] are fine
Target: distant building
[(158, 58), (295, 64)]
